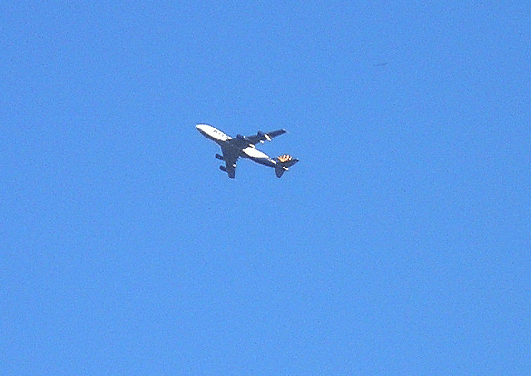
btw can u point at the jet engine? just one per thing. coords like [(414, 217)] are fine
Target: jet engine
[(264, 135)]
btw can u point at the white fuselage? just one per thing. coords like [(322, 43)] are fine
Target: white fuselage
[(213, 133), (243, 148)]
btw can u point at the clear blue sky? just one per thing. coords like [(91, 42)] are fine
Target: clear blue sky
[(398, 245)]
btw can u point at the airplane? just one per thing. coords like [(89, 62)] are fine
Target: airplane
[(241, 146)]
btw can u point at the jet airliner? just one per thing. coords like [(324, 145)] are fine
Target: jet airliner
[(242, 146)]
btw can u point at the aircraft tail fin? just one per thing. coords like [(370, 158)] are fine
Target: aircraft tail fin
[(283, 163)]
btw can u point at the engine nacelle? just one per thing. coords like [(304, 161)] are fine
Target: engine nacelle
[(223, 168), (220, 157), (264, 135)]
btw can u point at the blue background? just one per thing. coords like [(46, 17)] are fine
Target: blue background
[(398, 245)]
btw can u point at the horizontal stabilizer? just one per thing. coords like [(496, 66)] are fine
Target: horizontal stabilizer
[(283, 163)]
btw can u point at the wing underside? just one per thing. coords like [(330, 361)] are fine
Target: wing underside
[(230, 158), (261, 136)]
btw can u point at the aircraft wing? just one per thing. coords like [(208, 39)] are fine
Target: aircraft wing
[(230, 157), (261, 136)]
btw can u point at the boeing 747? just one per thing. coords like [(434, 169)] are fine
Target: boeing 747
[(241, 146)]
